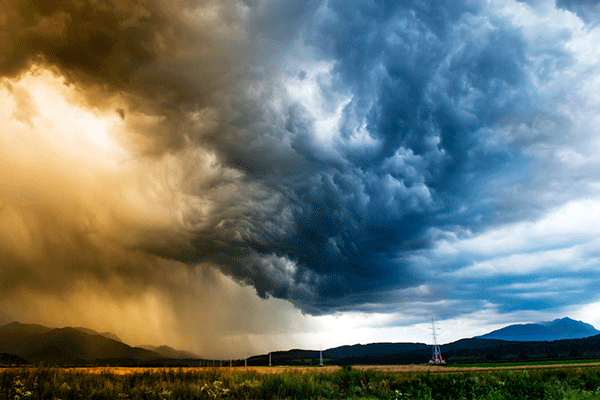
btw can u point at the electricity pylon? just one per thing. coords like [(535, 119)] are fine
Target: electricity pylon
[(436, 358)]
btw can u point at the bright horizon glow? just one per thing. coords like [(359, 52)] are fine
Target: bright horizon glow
[(70, 128)]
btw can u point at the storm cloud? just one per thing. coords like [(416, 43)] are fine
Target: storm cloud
[(337, 155)]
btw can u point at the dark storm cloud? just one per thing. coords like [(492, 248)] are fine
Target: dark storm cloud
[(100, 40), (427, 88), (421, 84), (317, 145)]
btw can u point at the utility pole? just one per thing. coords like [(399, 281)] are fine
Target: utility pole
[(320, 356), (269, 359)]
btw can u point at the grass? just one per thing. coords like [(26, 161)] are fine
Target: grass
[(561, 383), (524, 363)]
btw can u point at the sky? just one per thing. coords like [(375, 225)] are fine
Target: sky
[(232, 177)]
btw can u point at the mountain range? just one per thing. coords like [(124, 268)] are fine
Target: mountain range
[(40, 344), (564, 328), (37, 344), (464, 350), (562, 338)]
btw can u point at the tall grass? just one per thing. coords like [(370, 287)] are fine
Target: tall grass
[(53, 384)]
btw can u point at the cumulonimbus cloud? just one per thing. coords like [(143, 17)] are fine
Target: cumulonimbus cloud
[(305, 150)]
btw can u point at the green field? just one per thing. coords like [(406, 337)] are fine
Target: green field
[(569, 383), (524, 363)]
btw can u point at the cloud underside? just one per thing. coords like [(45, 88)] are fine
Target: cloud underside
[(341, 157)]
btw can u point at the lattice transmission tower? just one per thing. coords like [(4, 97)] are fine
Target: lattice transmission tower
[(436, 357)]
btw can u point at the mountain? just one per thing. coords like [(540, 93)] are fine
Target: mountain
[(464, 350), (373, 349), (479, 349), (16, 330), (107, 335), (372, 353), (564, 328), (170, 352), (39, 344), (29, 343)]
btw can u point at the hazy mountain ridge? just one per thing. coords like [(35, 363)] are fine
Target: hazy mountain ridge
[(170, 352), (36, 343), (81, 346), (107, 335), (16, 330), (559, 329)]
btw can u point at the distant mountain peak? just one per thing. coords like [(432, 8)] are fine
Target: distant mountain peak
[(562, 321), (558, 329)]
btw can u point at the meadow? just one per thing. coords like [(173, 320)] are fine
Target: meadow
[(405, 382)]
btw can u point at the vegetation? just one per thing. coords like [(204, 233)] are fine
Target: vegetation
[(524, 363), (542, 383)]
